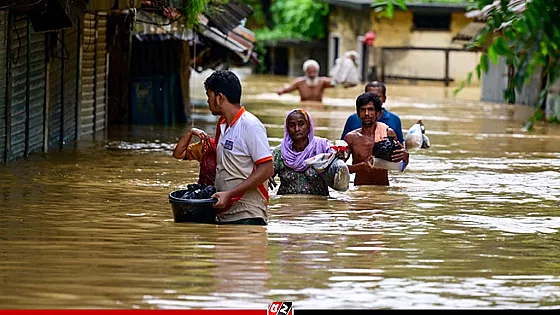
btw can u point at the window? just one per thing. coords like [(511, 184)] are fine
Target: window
[(431, 21)]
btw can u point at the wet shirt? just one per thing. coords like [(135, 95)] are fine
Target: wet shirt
[(308, 182), (242, 145)]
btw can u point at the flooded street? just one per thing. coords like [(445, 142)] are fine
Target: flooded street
[(472, 223)]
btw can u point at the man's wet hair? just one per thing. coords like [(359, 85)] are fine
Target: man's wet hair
[(367, 98), (225, 82), (377, 84)]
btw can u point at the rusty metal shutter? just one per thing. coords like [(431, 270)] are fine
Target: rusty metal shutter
[(55, 84), (101, 73), (70, 82), (3, 79), (86, 114), (18, 95), (36, 90)]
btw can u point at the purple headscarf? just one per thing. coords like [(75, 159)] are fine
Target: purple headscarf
[(296, 160)]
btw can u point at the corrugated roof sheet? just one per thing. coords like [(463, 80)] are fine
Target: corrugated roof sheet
[(238, 40), (228, 16), (514, 6), (20, 4)]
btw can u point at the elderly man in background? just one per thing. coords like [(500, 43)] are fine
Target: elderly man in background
[(310, 86)]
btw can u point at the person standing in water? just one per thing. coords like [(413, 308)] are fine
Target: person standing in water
[(390, 119), (311, 86), (243, 157), (299, 144), (361, 141)]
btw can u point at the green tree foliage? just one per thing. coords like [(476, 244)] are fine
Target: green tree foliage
[(190, 9), (286, 19), (296, 19), (386, 8), (528, 40)]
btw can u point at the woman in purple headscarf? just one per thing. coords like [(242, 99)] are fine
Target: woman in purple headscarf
[(299, 144)]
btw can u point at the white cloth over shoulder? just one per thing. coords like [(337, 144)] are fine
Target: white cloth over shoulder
[(345, 70)]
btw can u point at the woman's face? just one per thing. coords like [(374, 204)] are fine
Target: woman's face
[(298, 128)]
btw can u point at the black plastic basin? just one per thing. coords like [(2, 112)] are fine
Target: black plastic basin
[(192, 210)]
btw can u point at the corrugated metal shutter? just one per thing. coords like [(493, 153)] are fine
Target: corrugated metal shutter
[(101, 73), (18, 95), (36, 90), (55, 79), (3, 78), (88, 76), (70, 82)]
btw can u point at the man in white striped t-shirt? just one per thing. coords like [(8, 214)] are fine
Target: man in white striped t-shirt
[(244, 159)]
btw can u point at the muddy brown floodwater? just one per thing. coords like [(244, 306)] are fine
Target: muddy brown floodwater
[(472, 223)]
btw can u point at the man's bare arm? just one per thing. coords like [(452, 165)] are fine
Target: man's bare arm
[(366, 165), (290, 88), (180, 150), (327, 83), (400, 154)]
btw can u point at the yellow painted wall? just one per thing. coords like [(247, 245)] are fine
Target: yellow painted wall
[(347, 24), (393, 32), (398, 32)]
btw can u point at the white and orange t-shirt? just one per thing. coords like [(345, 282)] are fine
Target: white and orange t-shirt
[(241, 146)]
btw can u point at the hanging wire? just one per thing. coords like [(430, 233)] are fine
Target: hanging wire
[(192, 85), (15, 59), (13, 4), (64, 49)]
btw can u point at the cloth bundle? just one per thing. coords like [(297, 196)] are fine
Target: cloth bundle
[(345, 70), (333, 170), (205, 153), (383, 151), (384, 148), (416, 137), (199, 191)]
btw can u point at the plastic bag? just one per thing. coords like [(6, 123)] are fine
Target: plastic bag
[(383, 152), (425, 142), (384, 164), (333, 170), (384, 149), (207, 173), (416, 137), (199, 191), (413, 138)]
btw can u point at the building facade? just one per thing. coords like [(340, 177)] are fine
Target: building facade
[(53, 87), (416, 44)]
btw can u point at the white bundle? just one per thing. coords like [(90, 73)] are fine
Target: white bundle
[(333, 170), (415, 137), (345, 71)]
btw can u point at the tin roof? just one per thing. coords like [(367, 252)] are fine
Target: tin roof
[(469, 32), (221, 28), (516, 6), (228, 16)]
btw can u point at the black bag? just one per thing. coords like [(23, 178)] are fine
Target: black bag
[(199, 191), (384, 148)]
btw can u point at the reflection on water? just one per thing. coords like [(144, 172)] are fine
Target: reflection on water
[(472, 223)]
